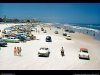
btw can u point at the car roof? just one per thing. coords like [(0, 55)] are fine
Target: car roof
[(11, 37), (48, 36), (83, 49), (44, 48), (68, 35)]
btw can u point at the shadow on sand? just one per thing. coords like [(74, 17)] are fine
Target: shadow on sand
[(84, 58), (3, 46)]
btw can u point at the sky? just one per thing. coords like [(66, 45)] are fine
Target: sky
[(88, 13)]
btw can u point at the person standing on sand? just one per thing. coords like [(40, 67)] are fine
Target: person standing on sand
[(20, 49), (15, 50), (62, 52)]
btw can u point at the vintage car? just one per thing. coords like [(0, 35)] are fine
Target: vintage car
[(24, 38), (64, 34), (11, 40), (84, 53), (48, 39), (42, 29), (45, 31), (21, 34), (2, 43), (71, 31), (43, 51), (56, 32), (68, 37)]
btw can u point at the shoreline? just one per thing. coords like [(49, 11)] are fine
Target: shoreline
[(85, 38)]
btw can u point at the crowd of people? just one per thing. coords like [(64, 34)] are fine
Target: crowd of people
[(17, 51)]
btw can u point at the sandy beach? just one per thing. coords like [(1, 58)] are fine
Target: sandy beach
[(30, 60)]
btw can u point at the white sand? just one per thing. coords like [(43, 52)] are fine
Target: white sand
[(30, 60)]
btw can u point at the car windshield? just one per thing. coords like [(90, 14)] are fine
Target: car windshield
[(48, 36), (46, 48), (1, 40), (11, 37), (43, 48), (85, 51)]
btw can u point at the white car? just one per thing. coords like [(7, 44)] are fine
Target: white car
[(45, 31), (84, 53), (44, 51), (56, 32), (68, 37)]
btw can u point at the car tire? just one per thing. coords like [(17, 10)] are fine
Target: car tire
[(88, 58), (79, 56), (48, 55)]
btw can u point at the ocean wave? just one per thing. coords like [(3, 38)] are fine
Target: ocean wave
[(82, 28)]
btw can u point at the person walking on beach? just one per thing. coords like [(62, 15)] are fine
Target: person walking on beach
[(62, 52), (15, 51), (20, 49)]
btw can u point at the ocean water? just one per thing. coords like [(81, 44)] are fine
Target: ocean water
[(90, 29), (92, 26)]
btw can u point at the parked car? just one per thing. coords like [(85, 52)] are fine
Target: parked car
[(42, 29), (84, 53), (58, 27), (48, 39), (45, 31), (66, 30), (11, 40), (24, 38), (33, 29), (43, 51), (68, 37), (64, 34), (2, 43), (71, 31), (56, 32), (21, 34)]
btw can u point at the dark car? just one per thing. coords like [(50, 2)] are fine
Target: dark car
[(2, 43), (71, 31), (66, 30), (42, 29), (59, 27), (64, 34), (48, 39), (22, 38)]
